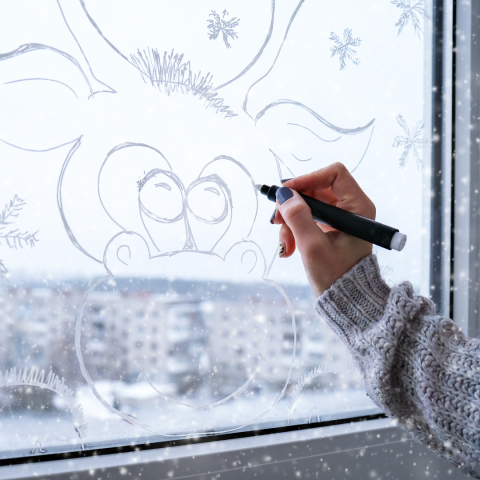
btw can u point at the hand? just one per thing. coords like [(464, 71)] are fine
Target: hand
[(326, 253)]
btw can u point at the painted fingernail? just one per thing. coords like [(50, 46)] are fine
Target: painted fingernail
[(281, 249), (283, 194), (273, 216), (285, 180)]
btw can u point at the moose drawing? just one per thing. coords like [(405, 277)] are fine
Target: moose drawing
[(161, 158)]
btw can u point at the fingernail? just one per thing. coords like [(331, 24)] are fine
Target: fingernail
[(285, 180), (281, 249), (283, 194), (273, 216)]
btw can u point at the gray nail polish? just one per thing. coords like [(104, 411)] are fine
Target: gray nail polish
[(281, 249), (273, 216), (283, 194), (285, 180)]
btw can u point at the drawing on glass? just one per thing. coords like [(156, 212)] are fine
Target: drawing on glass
[(132, 197), (312, 374), (411, 142), (412, 11), (12, 236), (343, 48), (38, 444), (220, 24), (314, 416), (33, 377)]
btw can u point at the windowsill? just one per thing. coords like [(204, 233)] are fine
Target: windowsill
[(261, 453)]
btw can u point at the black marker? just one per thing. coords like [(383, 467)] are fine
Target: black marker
[(347, 222)]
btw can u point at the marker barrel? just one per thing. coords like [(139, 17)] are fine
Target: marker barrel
[(343, 220)]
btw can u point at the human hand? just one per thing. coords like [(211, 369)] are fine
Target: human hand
[(326, 253)]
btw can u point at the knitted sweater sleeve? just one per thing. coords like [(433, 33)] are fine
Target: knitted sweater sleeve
[(418, 367)]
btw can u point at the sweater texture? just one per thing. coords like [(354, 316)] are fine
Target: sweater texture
[(417, 367)]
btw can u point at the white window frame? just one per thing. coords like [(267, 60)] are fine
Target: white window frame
[(355, 449)]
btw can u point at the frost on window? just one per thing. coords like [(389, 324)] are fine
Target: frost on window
[(155, 302)]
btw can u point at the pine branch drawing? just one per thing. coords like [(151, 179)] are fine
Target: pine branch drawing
[(36, 378), (219, 24), (308, 377), (13, 237), (343, 48), (171, 73), (411, 142), (413, 11)]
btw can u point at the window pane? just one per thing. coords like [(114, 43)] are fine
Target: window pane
[(142, 296)]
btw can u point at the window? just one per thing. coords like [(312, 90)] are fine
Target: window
[(128, 159)]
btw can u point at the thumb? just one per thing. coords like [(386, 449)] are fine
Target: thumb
[(298, 216)]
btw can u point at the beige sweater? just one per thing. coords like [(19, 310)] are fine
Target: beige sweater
[(418, 367)]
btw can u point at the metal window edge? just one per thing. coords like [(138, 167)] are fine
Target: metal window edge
[(467, 172)]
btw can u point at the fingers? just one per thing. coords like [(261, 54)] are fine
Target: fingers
[(286, 242), (341, 184), (298, 217), (276, 217)]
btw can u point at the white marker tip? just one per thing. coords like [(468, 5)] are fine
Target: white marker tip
[(398, 241), (258, 186)]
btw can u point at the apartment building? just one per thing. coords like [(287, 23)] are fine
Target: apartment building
[(182, 341)]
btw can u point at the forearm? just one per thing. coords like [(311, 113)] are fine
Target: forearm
[(417, 366)]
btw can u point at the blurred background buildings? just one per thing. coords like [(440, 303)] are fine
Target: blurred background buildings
[(176, 339)]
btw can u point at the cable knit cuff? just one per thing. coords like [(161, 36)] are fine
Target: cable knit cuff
[(355, 301)]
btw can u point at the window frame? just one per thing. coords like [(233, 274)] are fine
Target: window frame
[(466, 182), (355, 448), (456, 62)]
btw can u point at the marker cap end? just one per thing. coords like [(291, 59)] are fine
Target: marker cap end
[(398, 241)]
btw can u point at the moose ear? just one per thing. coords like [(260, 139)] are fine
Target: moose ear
[(42, 90), (301, 140)]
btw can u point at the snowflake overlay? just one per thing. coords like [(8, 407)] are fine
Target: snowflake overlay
[(219, 24), (412, 10), (412, 142), (343, 47), (13, 237)]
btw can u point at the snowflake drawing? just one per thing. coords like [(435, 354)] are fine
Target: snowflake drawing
[(411, 142), (218, 24), (343, 47), (13, 237), (412, 11)]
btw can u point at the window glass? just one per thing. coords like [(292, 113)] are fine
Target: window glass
[(141, 293)]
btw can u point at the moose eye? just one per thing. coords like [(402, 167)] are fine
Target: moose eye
[(208, 199), (161, 196)]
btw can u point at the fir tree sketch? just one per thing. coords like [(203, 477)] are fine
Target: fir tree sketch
[(412, 11), (218, 24), (411, 142), (343, 47), (13, 237)]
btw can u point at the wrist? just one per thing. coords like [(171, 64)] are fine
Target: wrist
[(323, 274), (358, 298)]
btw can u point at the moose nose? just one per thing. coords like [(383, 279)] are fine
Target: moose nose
[(161, 199)]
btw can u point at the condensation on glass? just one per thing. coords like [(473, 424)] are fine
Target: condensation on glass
[(141, 291)]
